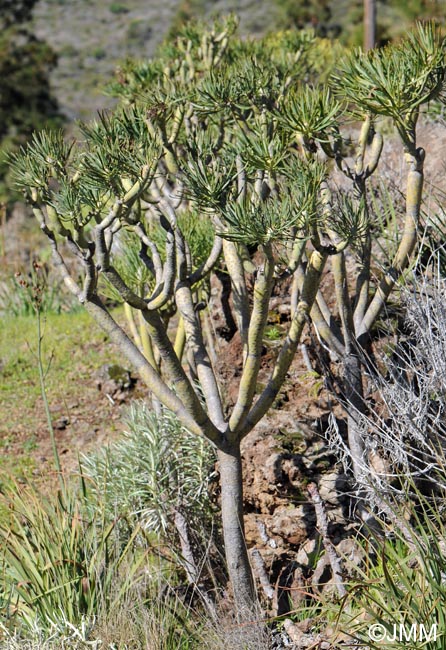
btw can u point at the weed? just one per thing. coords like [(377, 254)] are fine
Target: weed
[(20, 293), (118, 8), (273, 333), (99, 53), (157, 468), (139, 32)]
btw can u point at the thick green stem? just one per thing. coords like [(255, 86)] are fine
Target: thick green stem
[(239, 291), (309, 290), (195, 342), (363, 283), (146, 342), (321, 317), (414, 194), (180, 339), (259, 317), (362, 144), (173, 367), (343, 299), (128, 311)]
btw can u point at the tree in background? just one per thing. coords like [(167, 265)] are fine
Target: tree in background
[(300, 15), (26, 101), (369, 24)]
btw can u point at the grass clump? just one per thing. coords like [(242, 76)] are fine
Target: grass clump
[(402, 592), (73, 585), (118, 8), (59, 562)]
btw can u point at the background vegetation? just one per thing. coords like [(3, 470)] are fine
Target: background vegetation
[(26, 100)]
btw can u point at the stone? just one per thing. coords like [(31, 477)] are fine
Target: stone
[(292, 524), (332, 487), (306, 554)]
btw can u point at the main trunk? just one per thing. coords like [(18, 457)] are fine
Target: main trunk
[(237, 559), (355, 408)]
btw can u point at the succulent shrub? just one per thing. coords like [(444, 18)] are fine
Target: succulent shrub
[(239, 133)]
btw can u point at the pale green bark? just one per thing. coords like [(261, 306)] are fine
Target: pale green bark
[(315, 267), (408, 242), (240, 296), (230, 467), (259, 316)]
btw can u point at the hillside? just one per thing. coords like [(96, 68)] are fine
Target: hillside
[(91, 38)]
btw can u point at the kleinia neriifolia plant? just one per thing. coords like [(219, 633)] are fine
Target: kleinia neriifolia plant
[(230, 130)]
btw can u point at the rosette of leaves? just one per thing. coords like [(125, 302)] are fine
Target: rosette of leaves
[(288, 203), (215, 93), (208, 175), (118, 149), (135, 77), (349, 220), (264, 147), (248, 84), (295, 212), (46, 156), (255, 84), (311, 113), (81, 182), (397, 80), (259, 224)]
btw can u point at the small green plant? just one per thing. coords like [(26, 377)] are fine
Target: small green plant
[(118, 8), (139, 32), (159, 476), (273, 333), (99, 53), (156, 468)]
